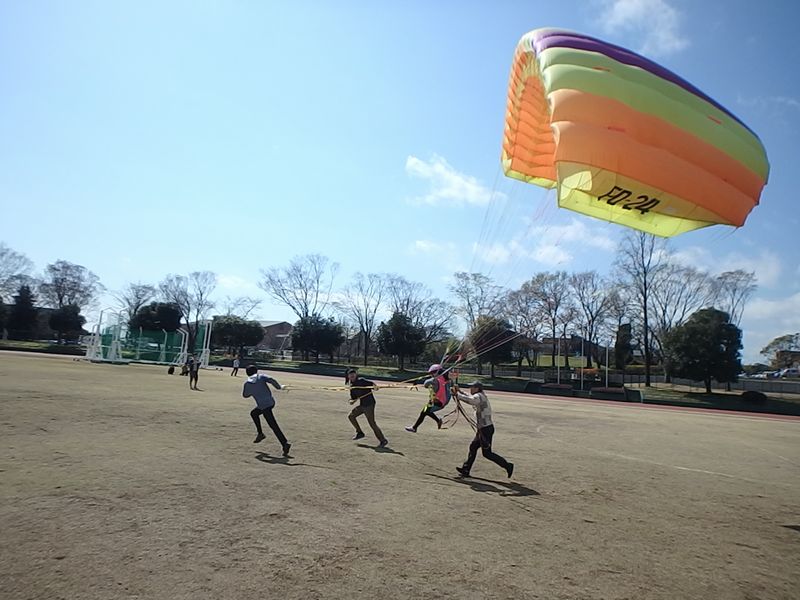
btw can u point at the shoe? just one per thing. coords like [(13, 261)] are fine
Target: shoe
[(358, 435), (439, 424), (410, 429), (286, 449), (464, 472), (510, 469), (259, 437), (383, 444)]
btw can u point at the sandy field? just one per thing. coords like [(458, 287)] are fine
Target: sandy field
[(120, 482)]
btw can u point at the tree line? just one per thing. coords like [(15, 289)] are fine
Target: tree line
[(646, 298)]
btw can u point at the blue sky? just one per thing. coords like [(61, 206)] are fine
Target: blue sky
[(140, 139)]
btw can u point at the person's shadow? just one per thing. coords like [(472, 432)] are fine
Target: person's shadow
[(284, 460), (277, 460), (510, 489), (384, 450)]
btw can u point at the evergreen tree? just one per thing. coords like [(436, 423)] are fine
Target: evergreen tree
[(706, 347), (234, 332), (399, 337), (22, 316), (67, 321), (317, 335), (493, 340), (3, 317)]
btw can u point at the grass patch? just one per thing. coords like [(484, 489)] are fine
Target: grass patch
[(719, 400), (46, 347)]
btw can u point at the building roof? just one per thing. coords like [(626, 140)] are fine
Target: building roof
[(272, 323)]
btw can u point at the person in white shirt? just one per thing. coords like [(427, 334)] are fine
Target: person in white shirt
[(235, 371), (483, 436)]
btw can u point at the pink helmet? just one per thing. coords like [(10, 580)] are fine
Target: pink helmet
[(435, 368)]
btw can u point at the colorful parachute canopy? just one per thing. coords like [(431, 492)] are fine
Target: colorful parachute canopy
[(624, 139)]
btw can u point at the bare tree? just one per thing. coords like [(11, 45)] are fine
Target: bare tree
[(192, 295), (304, 286), (567, 320), (360, 303), (617, 314), (15, 269), (523, 312), (67, 284), (640, 260), (551, 291), (416, 301), (478, 296), (732, 290), (593, 300), (135, 296), (677, 292), (241, 306)]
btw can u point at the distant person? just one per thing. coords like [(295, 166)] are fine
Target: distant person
[(439, 395), (361, 391), (235, 371), (257, 387), (483, 436), (193, 368)]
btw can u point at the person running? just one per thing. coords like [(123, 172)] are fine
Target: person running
[(193, 368), (235, 371), (257, 387), (361, 391), (439, 395), (483, 436)]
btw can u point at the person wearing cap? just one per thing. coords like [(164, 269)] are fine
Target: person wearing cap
[(483, 436), (361, 391), (439, 395)]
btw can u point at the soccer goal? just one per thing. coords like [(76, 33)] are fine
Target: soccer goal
[(112, 341)]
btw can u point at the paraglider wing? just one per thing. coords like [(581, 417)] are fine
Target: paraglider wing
[(623, 139)]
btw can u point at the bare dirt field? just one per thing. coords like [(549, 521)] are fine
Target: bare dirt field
[(120, 482)]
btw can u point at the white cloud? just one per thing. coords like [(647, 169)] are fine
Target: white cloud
[(764, 320), (766, 264), (575, 231), (767, 102), (429, 247), (657, 21), (448, 186), (553, 245), (234, 283), (784, 312)]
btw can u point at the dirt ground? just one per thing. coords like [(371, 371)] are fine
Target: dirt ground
[(120, 482)]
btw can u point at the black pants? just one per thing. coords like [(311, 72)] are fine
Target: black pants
[(235, 371), (483, 440), (429, 411), (270, 419)]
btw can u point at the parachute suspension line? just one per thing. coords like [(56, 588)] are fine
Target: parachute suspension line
[(486, 213)]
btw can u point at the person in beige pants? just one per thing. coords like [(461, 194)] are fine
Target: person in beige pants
[(361, 392)]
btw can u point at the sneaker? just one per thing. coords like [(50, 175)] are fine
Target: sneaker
[(358, 435), (439, 424), (510, 469), (383, 444), (410, 429), (259, 437), (462, 471), (286, 449)]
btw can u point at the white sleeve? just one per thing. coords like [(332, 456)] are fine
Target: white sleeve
[(473, 399)]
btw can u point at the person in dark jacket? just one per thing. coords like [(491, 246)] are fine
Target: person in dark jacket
[(361, 392)]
